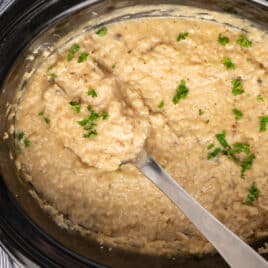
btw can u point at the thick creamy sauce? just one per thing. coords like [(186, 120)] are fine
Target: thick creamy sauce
[(166, 85)]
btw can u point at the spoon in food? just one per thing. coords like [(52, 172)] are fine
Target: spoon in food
[(235, 251)]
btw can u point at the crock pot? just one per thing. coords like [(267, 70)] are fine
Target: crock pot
[(26, 232)]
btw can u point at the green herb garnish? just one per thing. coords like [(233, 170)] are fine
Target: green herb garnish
[(200, 112), (241, 147), (75, 106), (91, 92), (243, 41), (237, 87), (52, 77), (26, 142), (89, 123), (214, 153), (91, 134), (46, 120), (246, 164), (42, 114), (93, 116), (83, 57), (83, 122), (221, 137), (20, 136), (182, 36), (73, 50), (181, 92), (161, 105), (238, 114), (253, 194), (223, 40), (228, 64), (263, 122), (230, 10), (91, 126), (70, 57), (89, 108), (101, 32), (210, 146), (260, 98), (104, 115)]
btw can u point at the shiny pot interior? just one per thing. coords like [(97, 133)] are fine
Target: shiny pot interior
[(25, 230)]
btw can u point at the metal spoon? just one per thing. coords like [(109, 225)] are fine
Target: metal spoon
[(235, 251)]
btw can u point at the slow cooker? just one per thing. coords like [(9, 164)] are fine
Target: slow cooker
[(29, 28)]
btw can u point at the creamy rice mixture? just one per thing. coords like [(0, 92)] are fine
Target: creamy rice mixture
[(194, 94)]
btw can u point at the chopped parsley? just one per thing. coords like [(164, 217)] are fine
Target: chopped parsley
[(91, 126), (75, 106), (243, 41), (245, 160), (83, 57), (241, 147), (26, 142), (161, 105), (182, 36), (46, 119), (20, 136), (253, 194), (93, 116), (91, 92), (238, 114), (89, 108), (237, 86), (83, 122), (73, 50), (210, 146), (104, 115), (50, 68), (207, 121), (263, 122), (91, 134), (52, 77), (113, 66), (70, 57), (200, 112), (223, 40), (228, 64), (247, 164), (22, 139), (221, 137), (101, 32), (260, 98), (90, 123), (181, 92), (214, 153)]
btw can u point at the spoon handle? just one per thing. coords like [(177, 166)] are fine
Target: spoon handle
[(235, 251)]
